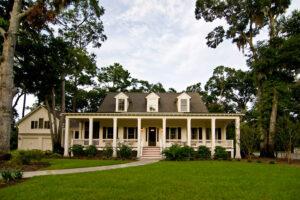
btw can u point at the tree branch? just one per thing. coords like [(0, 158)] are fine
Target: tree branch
[(26, 12), (2, 32), (17, 99)]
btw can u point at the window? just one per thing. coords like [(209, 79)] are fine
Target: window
[(46, 124), (208, 133), (34, 124), (108, 133), (184, 105), (130, 133), (96, 127), (218, 134), (152, 105), (196, 133), (173, 133), (86, 130), (41, 123), (76, 135), (121, 105)]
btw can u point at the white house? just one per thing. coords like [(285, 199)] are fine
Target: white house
[(150, 122), (34, 130)]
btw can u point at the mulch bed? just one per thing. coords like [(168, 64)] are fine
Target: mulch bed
[(4, 184)]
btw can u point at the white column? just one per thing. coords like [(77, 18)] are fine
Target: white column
[(90, 131), (80, 130), (139, 127), (66, 146), (204, 136), (188, 127), (213, 136), (115, 127), (237, 138), (164, 126)]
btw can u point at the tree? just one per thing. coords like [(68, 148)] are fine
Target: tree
[(245, 19), (37, 13), (114, 78), (250, 138), (287, 135)]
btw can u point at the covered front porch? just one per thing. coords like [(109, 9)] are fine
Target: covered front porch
[(140, 131)]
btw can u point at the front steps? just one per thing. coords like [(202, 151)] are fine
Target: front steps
[(151, 153)]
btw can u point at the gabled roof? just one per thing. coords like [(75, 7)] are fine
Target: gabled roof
[(167, 102), (34, 111)]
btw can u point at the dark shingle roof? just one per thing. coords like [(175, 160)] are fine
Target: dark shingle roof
[(167, 103)]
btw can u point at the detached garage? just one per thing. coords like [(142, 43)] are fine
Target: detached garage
[(34, 130)]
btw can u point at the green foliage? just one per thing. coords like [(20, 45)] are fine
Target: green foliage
[(11, 175), (91, 151), (125, 152), (55, 155), (24, 157), (220, 153), (176, 152), (249, 139), (203, 153), (77, 150), (108, 151)]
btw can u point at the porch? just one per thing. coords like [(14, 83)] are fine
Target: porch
[(141, 132)]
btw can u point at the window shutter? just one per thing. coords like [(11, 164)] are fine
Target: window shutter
[(125, 133), (200, 133), (179, 132), (167, 134), (104, 133)]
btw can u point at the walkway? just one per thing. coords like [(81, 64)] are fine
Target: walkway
[(87, 169)]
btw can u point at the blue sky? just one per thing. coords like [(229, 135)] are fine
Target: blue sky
[(161, 41)]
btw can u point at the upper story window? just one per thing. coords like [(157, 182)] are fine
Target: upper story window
[(121, 102), (34, 124), (183, 102), (152, 102)]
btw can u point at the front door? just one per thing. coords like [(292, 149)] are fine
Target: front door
[(152, 136)]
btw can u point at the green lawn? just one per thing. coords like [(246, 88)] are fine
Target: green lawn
[(168, 180), (77, 163)]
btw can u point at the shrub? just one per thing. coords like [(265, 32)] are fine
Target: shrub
[(272, 162), (172, 153), (55, 155), (203, 153), (36, 154), (77, 150), (22, 157), (91, 151), (108, 151), (176, 152), (220, 153), (10, 175), (187, 153), (125, 152)]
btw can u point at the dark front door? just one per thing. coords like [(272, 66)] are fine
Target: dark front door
[(152, 136)]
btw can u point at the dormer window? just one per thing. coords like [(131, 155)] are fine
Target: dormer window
[(184, 106), (121, 102), (183, 102), (152, 102)]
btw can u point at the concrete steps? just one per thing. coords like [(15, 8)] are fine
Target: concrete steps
[(151, 153)]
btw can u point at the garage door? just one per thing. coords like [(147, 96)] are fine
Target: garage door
[(47, 144), (30, 143)]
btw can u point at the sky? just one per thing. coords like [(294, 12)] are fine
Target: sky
[(161, 41)]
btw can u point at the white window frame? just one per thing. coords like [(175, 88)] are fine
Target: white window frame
[(124, 97), (152, 102), (182, 97)]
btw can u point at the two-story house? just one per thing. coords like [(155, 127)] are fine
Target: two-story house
[(150, 122)]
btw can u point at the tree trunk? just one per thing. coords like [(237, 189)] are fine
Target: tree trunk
[(24, 105), (63, 107), (272, 126), (6, 76), (74, 98), (50, 121)]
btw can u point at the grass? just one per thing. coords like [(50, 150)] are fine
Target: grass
[(78, 163), (167, 180)]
